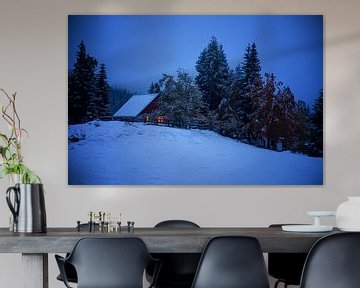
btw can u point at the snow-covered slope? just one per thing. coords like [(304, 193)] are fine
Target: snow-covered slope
[(120, 153)]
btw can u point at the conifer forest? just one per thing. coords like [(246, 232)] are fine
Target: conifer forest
[(240, 102), (195, 100)]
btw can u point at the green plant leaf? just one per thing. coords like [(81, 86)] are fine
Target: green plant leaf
[(3, 173), (3, 151), (10, 150), (4, 137)]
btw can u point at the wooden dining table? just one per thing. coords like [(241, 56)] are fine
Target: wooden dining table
[(35, 247)]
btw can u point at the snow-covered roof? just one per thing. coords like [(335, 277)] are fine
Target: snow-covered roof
[(135, 105)]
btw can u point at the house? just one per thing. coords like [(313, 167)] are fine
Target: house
[(136, 107)]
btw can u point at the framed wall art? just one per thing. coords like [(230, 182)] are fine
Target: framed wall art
[(195, 100)]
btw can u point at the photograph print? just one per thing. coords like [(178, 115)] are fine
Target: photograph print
[(195, 100)]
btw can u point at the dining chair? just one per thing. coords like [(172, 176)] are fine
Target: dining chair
[(285, 267), (178, 269), (108, 263), (333, 262), (232, 262), (70, 271)]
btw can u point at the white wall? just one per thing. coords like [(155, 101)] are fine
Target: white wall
[(33, 62)]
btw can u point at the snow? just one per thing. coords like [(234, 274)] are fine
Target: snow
[(135, 105), (121, 153)]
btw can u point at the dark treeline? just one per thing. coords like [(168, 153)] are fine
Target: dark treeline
[(240, 103), (88, 89), (90, 96), (118, 98)]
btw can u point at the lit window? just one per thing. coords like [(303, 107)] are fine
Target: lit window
[(160, 119)]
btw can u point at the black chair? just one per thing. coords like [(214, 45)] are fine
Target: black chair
[(178, 269), (176, 224), (69, 269), (232, 262), (286, 267), (333, 262), (108, 263)]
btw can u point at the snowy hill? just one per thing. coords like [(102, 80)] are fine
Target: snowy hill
[(120, 153)]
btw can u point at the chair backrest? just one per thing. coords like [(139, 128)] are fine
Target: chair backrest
[(286, 267), (333, 262), (110, 262), (178, 269), (176, 224), (232, 262)]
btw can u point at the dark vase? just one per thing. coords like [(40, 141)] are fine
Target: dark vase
[(27, 204)]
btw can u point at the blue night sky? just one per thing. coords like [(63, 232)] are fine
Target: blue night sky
[(138, 49)]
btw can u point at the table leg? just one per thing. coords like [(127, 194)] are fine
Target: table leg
[(35, 270)]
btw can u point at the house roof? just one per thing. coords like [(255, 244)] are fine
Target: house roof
[(134, 106)]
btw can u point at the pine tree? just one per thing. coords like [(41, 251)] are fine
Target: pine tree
[(82, 87), (236, 87), (228, 114), (102, 94), (302, 127), (316, 138), (73, 101), (249, 84), (154, 88), (228, 120), (251, 65), (213, 73)]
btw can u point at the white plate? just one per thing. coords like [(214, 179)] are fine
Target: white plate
[(306, 228), (321, 213)]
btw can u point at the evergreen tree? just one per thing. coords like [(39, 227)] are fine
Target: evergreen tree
[(154, 88), (258, 123), (166, 100), (249, 84), (73, 101), (227, 119), (82, 87), (316, 138), (102, 94), (251, 65), (302, 127), (243, 91), (284, 116), (118, 97), (213, 73), (180, 100), (236, 88)]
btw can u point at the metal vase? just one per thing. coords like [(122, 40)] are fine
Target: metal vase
[(27, 204)]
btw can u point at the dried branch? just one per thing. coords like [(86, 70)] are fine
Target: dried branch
[(11, 156)]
